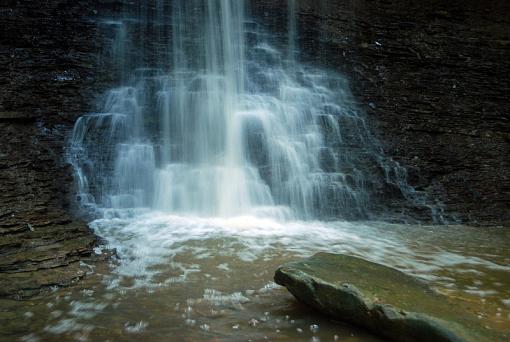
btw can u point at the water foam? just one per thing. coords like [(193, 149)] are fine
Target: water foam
[(158, 238)]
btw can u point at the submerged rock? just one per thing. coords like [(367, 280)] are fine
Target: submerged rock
[(381, 299)]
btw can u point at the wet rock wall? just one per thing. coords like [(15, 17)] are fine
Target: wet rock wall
[(50, 73), (433, 78)]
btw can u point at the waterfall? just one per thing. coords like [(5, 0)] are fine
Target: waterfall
[(213, 120)]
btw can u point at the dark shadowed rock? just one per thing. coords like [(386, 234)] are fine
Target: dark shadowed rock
[(16, 116), (51, 72), (381, 299)]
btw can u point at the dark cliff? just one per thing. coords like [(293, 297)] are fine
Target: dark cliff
[(50, 73), (432, 76)]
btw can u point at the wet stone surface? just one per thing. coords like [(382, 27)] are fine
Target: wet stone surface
[(51, 72), (41, 244), (381, 299)]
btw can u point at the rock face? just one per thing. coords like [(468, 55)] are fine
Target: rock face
[(433, 78), (50, 73), (381, 299), (38, 236)]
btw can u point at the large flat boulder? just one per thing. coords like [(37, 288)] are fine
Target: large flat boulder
[(381, 299)]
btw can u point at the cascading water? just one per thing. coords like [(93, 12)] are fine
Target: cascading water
[(213, 120)]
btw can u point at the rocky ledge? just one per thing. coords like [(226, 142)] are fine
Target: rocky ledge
[(41, 244), (44, 255), (381, 299)]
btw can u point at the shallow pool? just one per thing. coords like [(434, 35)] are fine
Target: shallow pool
[(197, 279)]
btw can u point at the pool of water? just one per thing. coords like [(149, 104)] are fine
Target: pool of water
[(197, 279)]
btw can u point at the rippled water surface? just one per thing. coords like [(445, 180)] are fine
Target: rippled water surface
[(196, 279)]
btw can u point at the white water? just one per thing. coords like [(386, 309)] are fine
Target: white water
[(213, 120), (160, 239)]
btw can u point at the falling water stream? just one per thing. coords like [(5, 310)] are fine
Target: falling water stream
[(219, 157), (213, 120)]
